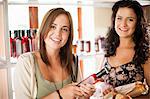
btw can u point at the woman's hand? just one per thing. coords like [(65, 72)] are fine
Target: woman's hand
[(71, 91), (87, 89)]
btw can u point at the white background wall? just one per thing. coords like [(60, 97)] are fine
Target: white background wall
[(102, 20)]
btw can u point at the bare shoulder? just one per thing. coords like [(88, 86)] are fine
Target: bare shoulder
[(147, 63), (146, 68), (38, 58)]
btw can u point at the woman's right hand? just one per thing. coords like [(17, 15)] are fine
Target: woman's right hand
[(71, 91)]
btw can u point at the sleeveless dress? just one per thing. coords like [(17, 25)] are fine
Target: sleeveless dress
[(124, 74)]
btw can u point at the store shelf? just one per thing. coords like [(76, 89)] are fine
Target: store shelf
[(2, 61), (90, 55), (6, 65)]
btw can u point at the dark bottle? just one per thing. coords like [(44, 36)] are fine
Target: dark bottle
[(11, 38), (96, 46), (25, 42), (18, 43), (92, 79), (11, 44), (34, 39), (29, 39), (14, 43), (88, 46)]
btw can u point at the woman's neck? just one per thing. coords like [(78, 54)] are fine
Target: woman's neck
[(126, 43), (53, 56)]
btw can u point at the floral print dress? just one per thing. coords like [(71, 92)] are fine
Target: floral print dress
[(124, 74)]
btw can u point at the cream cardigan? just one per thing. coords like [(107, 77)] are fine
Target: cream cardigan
[(24, 77)]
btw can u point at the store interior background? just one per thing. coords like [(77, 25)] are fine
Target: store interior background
[(91, 20)]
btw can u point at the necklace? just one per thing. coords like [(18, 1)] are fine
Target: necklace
[(61, 85), (61, 81)]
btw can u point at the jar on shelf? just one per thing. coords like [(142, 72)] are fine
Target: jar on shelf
[(81, 45), (87, 46), (96, 46)]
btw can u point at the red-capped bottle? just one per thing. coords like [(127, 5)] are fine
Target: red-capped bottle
[(29, 39), (92, 79), (25, 42), (11, 43), (14, 43)]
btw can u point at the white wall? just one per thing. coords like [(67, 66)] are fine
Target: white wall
[(102, 20)]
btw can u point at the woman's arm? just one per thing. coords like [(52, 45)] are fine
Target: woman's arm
[(146, 67), (22, 78), (53, 95), (69, 91)]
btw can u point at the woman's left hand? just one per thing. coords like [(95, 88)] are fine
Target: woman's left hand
[(87, 89)]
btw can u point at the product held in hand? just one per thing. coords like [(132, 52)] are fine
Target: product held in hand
[(92, 79)]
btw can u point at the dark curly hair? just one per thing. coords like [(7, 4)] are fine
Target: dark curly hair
[(140, 36)]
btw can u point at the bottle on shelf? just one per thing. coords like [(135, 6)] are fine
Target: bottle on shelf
[(96, 45), (29, 39), (80, 47), (12, 44), (87, 46), (18, 43), (34, 39), (102, 42), (99, 44), (25, 42)]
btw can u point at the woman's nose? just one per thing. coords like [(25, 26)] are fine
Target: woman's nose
[(124, 23), (58, 32)]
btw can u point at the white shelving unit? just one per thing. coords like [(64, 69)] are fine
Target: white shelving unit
[(5, 66), (4, 55)]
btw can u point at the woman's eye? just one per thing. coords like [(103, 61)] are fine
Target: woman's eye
[(65, 30), (53, 27), (118, 18), (130, 19)]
